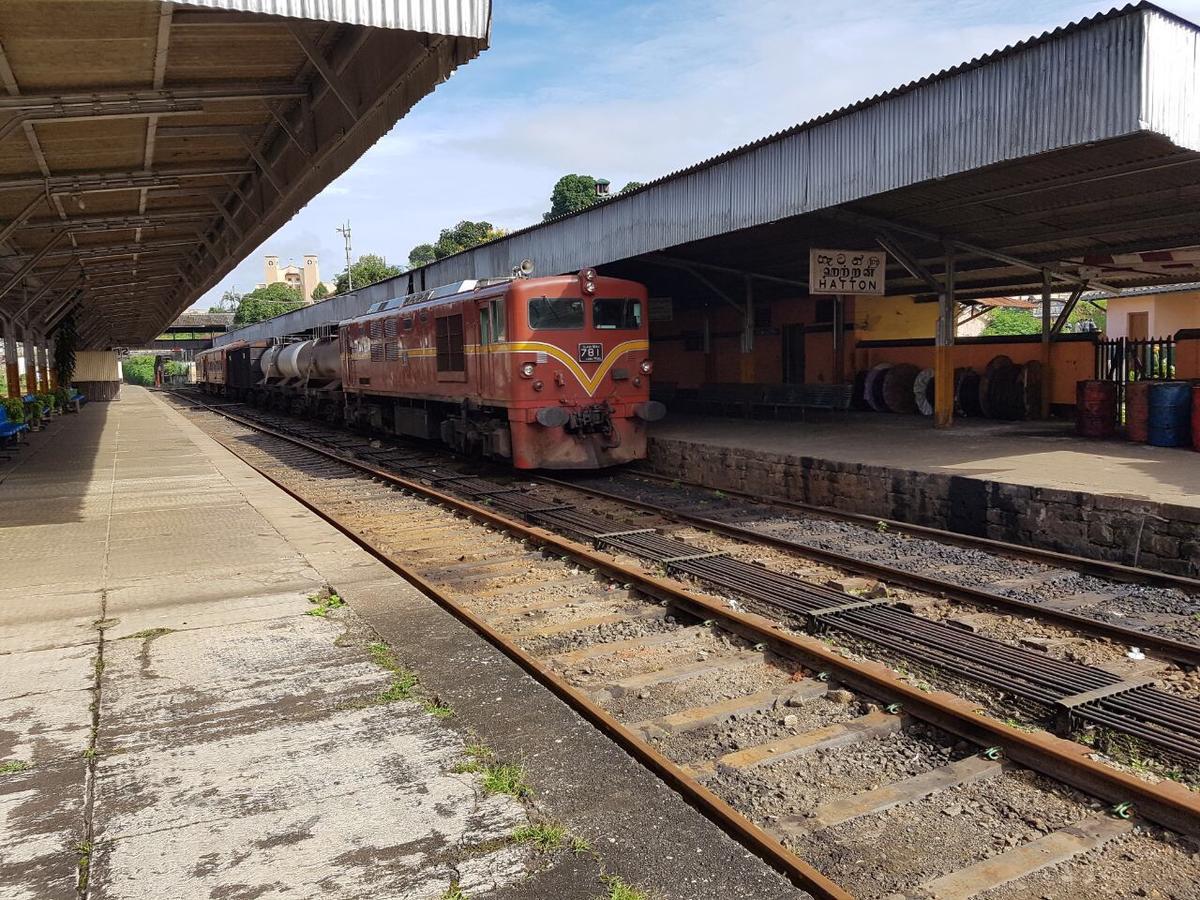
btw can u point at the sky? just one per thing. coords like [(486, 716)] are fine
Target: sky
[(630, 91)]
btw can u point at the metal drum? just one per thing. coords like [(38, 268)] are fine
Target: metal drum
[(873, 388), (1096, 408), (898, 388), (1196, 417), (1170, 418), (1137, 411), (1031, 385), (295, 360), (987, 390), (266, 362)]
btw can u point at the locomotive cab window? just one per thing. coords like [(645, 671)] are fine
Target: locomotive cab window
[(555, 313), (499, 315), (485, 329), (613, 313), (450, 356)]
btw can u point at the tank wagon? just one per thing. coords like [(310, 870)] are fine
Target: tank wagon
[(547, 372)]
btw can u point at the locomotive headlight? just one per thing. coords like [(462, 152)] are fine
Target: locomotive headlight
[(647, 367), (527, 370)]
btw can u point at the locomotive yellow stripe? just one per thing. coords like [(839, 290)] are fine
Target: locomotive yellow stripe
[(589, 382)]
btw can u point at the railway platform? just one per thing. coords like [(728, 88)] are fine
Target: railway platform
[(186, 712), (1033, 483)]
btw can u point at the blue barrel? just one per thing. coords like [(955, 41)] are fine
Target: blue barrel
[(1170, 420)]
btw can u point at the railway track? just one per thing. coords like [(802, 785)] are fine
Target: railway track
[(724, 703)]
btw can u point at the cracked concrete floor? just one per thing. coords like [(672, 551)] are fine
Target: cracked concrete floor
[(238, 752)]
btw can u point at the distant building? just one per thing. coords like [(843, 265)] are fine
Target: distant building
[(303, 278), (1151, 312)]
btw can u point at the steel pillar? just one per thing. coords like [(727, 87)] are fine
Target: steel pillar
[(1047, 334), (943, 354), (748, 374)]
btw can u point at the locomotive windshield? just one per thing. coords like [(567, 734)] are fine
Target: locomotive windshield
[(555, 313), (612, 313)]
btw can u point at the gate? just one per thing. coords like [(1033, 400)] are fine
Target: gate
[(1125, 360)]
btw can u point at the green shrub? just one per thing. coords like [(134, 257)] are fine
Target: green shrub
[(15, 408)]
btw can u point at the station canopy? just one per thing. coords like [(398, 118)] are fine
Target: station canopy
[(1071, 156), (147, 147)]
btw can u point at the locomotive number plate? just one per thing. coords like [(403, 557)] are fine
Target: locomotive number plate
[(591, 353)]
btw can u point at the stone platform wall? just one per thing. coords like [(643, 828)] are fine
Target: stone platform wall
[(1153, 535)]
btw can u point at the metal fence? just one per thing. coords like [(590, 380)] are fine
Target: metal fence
[(1125, 359)]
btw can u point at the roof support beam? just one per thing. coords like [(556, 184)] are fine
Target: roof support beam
[(110, 112), (211, 93), (1068, 308), (1009, 259), (889, 243), (41, 292), (24, 271), (336, 83), (285, 126), (90, 182), (7, 231), (263, 165), (678, 262)]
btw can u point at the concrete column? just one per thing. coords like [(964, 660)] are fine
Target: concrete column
[(839, 339), (943, 351), (31, 375), (12, 370), (43, 353), (1047, 348)]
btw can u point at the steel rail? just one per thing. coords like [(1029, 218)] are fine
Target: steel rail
[(1168, 803), (696, 794), (1032, 677), (1112, 571), (1168, 648)]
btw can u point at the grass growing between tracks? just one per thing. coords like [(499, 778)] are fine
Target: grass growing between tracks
[(13, 766), (618, 889), (405, 683)]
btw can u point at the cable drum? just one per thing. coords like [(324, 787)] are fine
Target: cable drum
[(1137, 411), (898, 388), (923, 392), (998, 363), (1005, 392), (1095, 409), (873, 389), (966, 392), (858, 398), (1170, 419)]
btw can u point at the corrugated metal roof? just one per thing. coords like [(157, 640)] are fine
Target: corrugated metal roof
[(457, 18), (1125, 72), (1184, 288)]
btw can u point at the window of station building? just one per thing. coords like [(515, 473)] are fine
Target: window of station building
[(610, 313), (450, 356), (555, 313)]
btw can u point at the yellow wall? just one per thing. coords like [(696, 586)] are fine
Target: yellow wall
[(893, 318)]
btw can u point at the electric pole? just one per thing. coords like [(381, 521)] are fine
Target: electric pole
[(344, 231)]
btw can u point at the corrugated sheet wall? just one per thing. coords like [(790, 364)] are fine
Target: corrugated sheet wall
[(457, 18), (1087, 84)]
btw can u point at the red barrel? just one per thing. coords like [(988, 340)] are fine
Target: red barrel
[(1137, 411), (1096, 408), (1196, 417)]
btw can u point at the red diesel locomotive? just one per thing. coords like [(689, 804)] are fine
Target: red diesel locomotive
[(547, 373)]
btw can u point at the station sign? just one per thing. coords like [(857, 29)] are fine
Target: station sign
[(847, 272)]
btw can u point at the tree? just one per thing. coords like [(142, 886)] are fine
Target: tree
[(421, 255), (464, 236), (266, 303), (228, 303), (571, 193), (632, 186), (1007, 321), (320, 292), (369, 269)]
